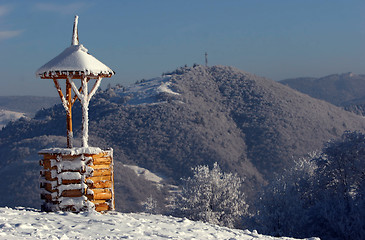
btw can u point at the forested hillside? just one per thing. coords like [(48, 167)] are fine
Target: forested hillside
[(192, 116)]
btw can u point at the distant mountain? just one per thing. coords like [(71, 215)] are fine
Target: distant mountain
[(15, 107), (339, 89), (28, 105), (250, 125)]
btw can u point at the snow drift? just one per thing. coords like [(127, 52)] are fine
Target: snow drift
[(27, 223)]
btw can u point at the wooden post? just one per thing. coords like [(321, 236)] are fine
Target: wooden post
[(85, 112), (67, 104), (69, 114), (84, 98)]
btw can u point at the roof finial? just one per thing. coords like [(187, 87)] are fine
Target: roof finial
[(75, 37)]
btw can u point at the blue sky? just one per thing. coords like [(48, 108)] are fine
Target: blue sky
[(277, 39)]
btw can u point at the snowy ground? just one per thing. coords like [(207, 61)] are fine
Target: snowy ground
[(26, 223)]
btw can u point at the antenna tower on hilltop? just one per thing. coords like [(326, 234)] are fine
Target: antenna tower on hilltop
[(206, 59)]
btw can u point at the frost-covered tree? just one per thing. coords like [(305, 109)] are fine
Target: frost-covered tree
[(340, 187), (212, 196), (321, 196), (283, 209), (150, 205)]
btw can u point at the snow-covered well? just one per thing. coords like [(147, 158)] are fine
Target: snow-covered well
[(77, 179)]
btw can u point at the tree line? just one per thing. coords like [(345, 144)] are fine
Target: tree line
[(322, 195)]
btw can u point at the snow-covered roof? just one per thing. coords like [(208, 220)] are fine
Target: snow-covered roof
[(74, 60)]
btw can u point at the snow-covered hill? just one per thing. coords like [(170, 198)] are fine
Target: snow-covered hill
[(26, 223), (7, 116)]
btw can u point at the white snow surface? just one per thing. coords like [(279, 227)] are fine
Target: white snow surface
[(74, 59), (27, 223), (7, 116), (72, 151), (147, 91), (147, 174)]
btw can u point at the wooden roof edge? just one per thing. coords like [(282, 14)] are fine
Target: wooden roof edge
[(73, 74)]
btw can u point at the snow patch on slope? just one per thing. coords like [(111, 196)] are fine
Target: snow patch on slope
[(148, 175), (22, 223), (165, 88), (7, 116), (147, 91), (152, 177)]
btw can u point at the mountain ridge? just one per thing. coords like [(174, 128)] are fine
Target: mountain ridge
[(26, 104), (196, 116), (339, 89)]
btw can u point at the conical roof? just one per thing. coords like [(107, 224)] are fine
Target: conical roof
[(74, 60)]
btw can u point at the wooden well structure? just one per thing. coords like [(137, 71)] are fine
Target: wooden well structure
[(76, 178)]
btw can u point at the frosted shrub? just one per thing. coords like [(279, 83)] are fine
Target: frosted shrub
[(212, 196), (283, 208), (150, 205), (340, 187), (322, 196)]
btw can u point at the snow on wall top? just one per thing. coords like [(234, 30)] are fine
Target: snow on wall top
[(72, 151), (72, 60)]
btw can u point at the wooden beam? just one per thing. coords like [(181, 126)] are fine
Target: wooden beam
[(102, 172), (102, 160), (67, 104), (95, 87), (75, 97), (69, 114), (74, 193), (100, 184), (102, 207), (57, 85)]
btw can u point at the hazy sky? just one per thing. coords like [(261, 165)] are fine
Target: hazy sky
[(277, 39)]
